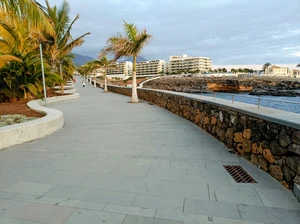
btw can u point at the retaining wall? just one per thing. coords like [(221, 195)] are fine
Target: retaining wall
[(268, 138), (28, 131)]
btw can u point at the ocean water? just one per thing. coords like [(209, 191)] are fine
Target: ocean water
[(266, 101)]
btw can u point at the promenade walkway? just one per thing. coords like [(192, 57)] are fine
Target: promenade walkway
[(119, 163)]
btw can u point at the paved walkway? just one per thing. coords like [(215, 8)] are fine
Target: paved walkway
[(115, 162)]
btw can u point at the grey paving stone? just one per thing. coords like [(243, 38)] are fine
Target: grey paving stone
[(67, 178), (111, 197), (217, 220), (270, 198), (29, 188), (153, 162), (234, 194), (8, 195), (102, 181), (81, 216), (146, 212), (211, 208), (34, 212), (131, 170), (39, 199), (200, 175), (131, 219), (7, 171), (32, 174), (69, 192), (158, 202), (82, 204), (170, 173), (142, 185), (190, 218), (268, 215), (185, 189)]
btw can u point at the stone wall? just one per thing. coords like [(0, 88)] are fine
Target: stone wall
[(272, 147)]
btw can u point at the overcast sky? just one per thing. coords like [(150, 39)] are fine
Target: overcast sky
[(230, 32)]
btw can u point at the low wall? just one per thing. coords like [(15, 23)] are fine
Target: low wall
[(28, 131), (268, 138)]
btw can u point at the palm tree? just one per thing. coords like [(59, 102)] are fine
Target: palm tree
[(59, 47), (106, 65), (131, 44), (266, 67)]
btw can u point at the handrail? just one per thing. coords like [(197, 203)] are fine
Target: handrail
[(259, 99)]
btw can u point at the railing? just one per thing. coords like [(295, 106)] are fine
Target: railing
[(259, 99)]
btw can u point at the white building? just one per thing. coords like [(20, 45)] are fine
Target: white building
[(123, 69), (156, 67), (189, 64)]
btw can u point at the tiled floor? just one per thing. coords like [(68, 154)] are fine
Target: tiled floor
[(120, 163)]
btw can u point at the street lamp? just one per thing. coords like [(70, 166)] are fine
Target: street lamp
[(43, 74)]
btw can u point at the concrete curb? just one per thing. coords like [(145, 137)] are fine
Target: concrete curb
[(31, 130)]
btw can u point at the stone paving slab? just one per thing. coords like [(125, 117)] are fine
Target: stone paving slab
[(115, 162)]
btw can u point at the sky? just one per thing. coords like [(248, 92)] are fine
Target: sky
[(230, 32)]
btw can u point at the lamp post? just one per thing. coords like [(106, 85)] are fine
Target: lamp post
[(43, 74)]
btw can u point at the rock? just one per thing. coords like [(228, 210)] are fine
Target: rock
[(243, 121), (279, 161), (213, 120), (263, 163), (284, 139), (206, 121), (265, 144), (297, 179), (240, 149), (234, 119), (276, 172), (268, 156), (288, 173), (254, 159), (238, 137), (294, 163), (296, 137), (257, 148), (247, 145), (197, 118), (221, 116), (256, 135), (295, 148), (276, 149), (230, 133), (222, 135), (247, 133)]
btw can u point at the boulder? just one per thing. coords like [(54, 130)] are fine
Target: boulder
[(295, 148), (294, 163), (284, 139), (276, 172), (276, 149), (296, 137)]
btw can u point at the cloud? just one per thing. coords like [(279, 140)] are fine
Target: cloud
[(228, 31), (296, 54)]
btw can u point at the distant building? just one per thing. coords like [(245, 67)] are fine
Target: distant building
[(123, 68), (295, 73), (178, 64), (156, 67), (278, 71)]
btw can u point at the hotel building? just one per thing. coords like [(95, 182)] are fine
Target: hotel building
[(156, 67), (123, 68), (188, 64)]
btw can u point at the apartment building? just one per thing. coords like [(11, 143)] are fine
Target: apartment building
[(188, 64), (123, 68), (278, 71), (156, 67)]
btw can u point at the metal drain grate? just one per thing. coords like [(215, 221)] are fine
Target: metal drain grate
[(239, 174)]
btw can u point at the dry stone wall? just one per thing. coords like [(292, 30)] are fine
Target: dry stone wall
[(272, 147)]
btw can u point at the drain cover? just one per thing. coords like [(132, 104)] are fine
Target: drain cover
[(239, 174)]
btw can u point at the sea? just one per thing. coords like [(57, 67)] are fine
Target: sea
[(278, 102)]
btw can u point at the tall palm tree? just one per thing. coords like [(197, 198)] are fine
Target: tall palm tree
[(266, 67), (58, 50), (131, 44), (106, 65)]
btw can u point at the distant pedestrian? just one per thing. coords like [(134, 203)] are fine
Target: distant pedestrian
[(83, 83), (74, 80)]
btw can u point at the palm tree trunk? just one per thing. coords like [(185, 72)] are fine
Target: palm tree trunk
[(105, 82), (134, 96)]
